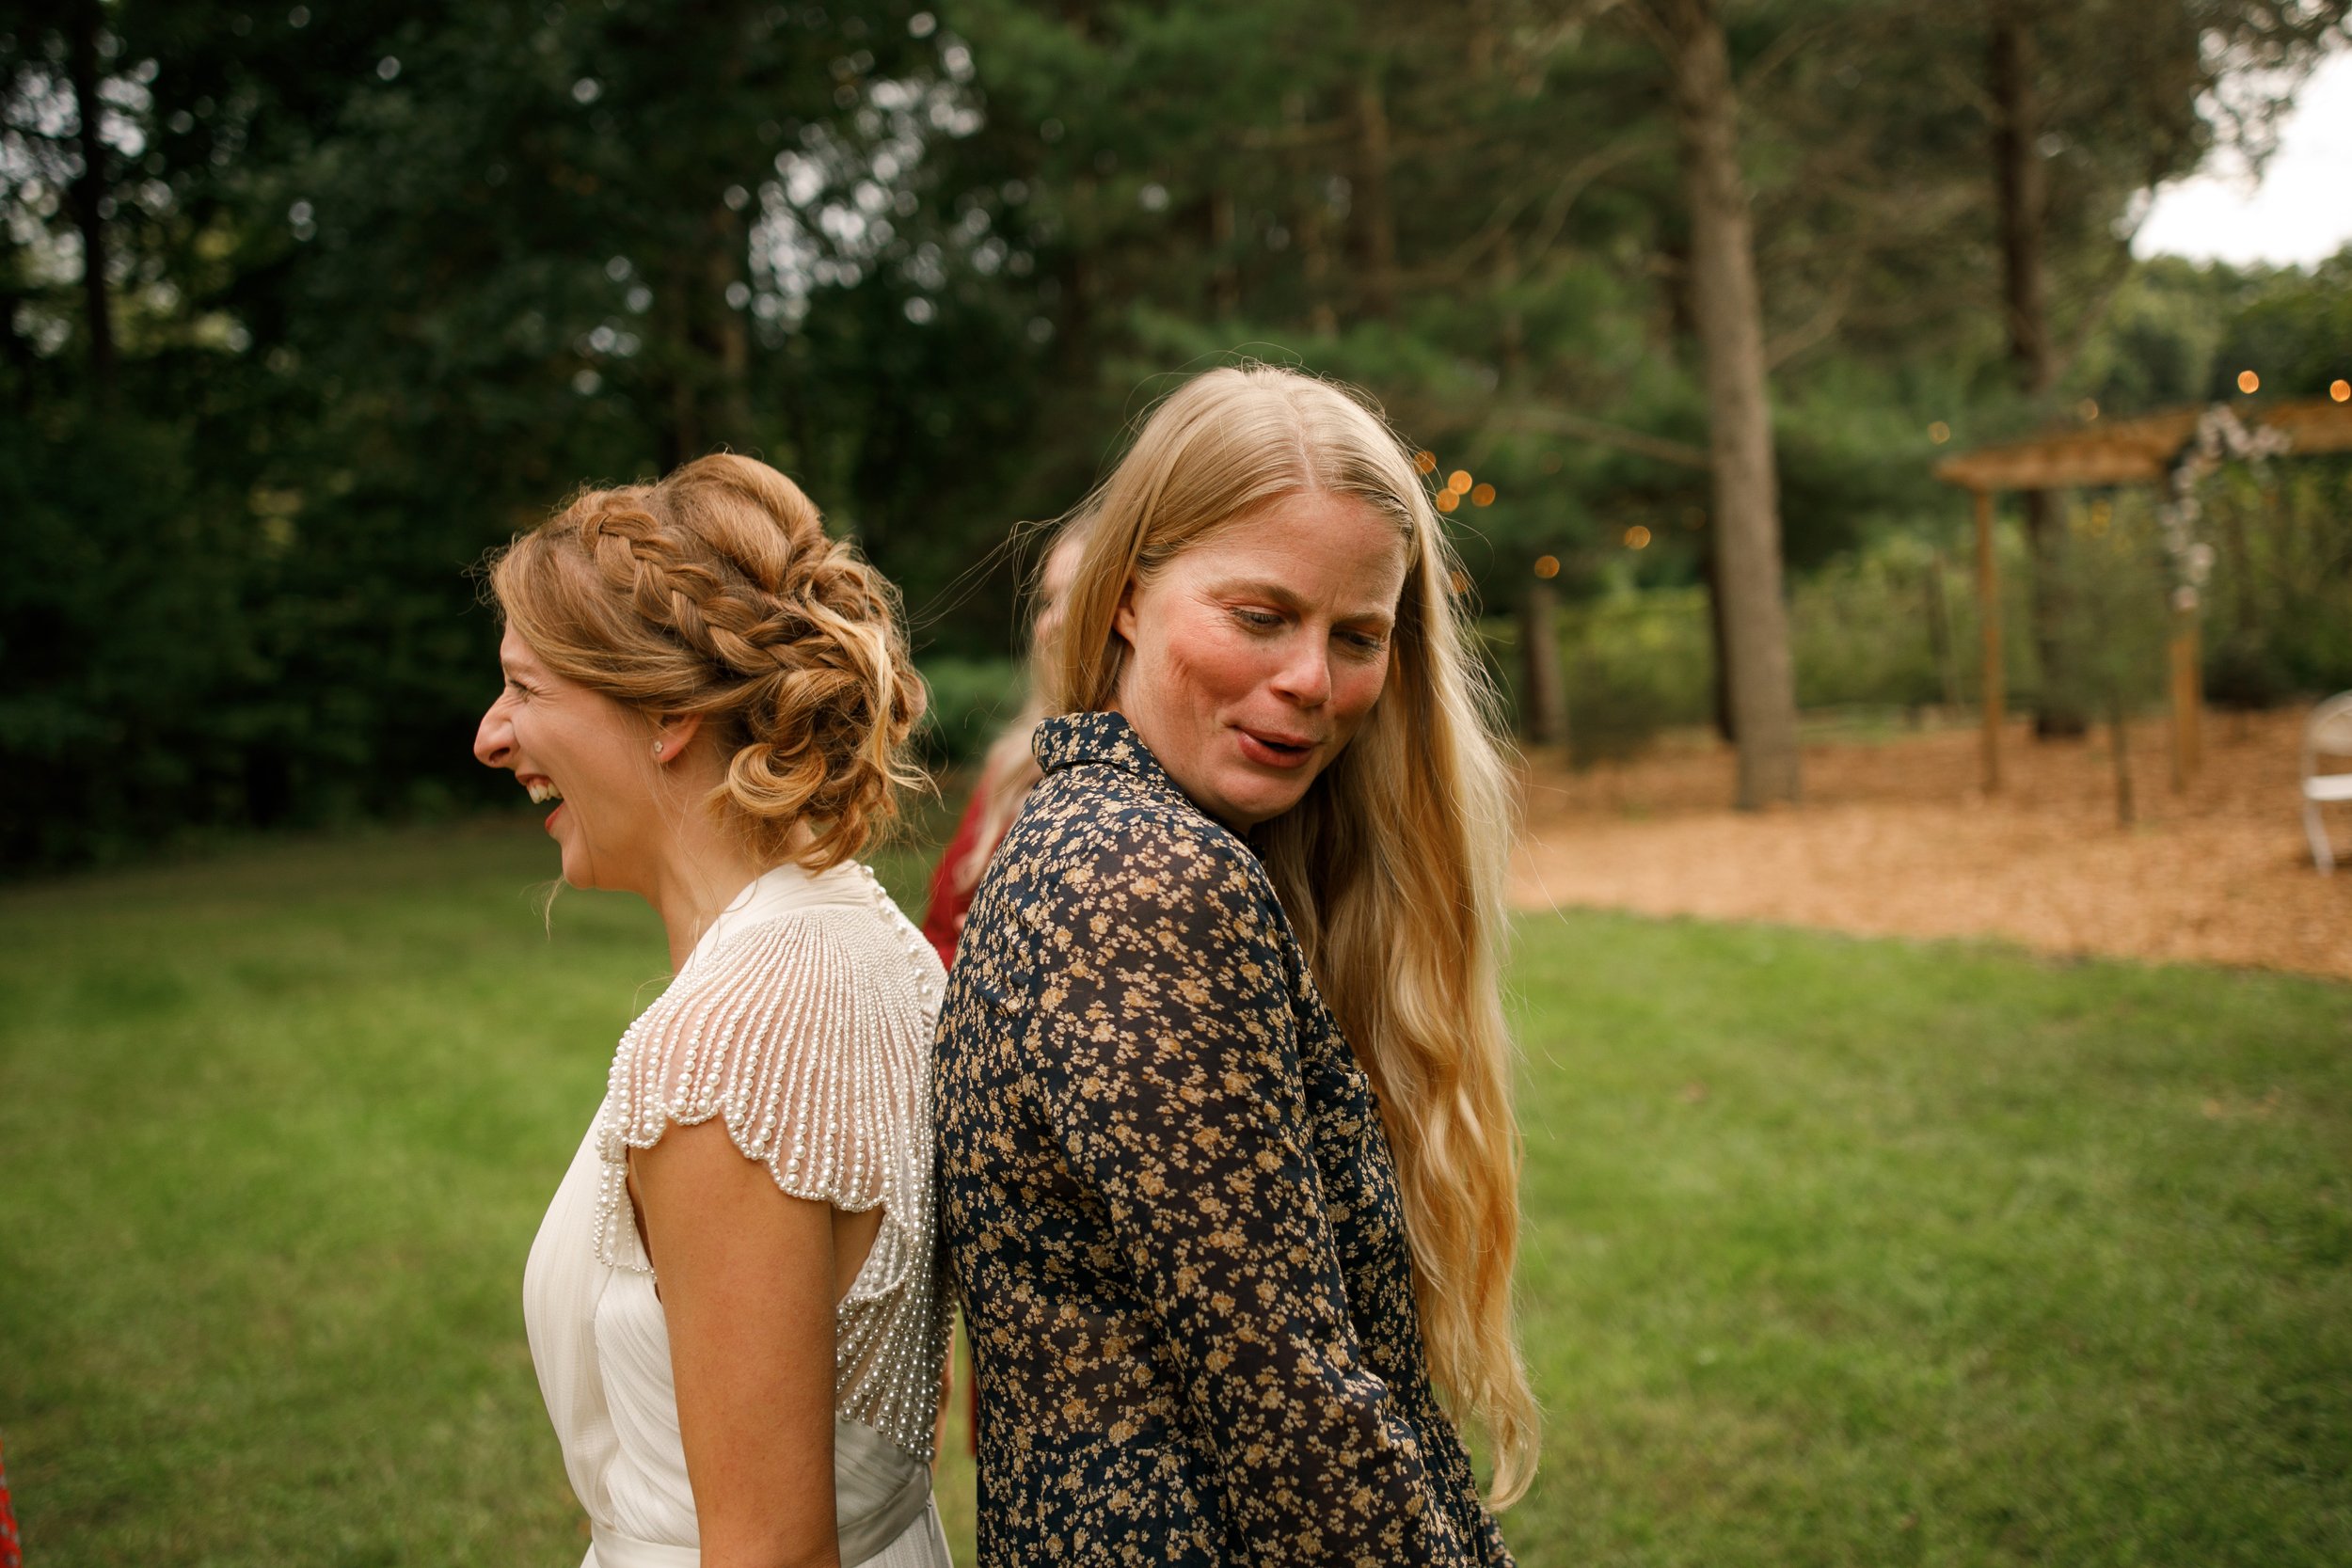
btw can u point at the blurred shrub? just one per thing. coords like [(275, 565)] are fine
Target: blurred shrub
[(1636, 664), (1893, 626), (971, 699), (2113, 578), (1863, 629), (2278, 612)]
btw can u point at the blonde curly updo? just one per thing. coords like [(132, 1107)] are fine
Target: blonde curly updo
[(717, 592)]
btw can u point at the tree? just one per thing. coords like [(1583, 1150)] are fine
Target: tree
[(1729, 318), (2024, 204), (378, 282)]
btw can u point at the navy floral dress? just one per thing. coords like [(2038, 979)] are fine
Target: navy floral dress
[(1169, 1211)]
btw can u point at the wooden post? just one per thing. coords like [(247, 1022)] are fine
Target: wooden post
[(1546, 691), (1939, 633), (2187, 699), (1988, 621)]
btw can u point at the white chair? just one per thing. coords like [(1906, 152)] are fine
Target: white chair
[(2328, 734)]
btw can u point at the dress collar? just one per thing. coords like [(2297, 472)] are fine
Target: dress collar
[(1076, 739), (779, 891), (1106, 738)]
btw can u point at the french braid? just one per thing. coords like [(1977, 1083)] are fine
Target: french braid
[(716, 591)]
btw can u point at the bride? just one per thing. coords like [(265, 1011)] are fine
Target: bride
[(732, 1302)]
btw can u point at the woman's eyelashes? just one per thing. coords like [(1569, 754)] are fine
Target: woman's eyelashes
[(1266, 622)]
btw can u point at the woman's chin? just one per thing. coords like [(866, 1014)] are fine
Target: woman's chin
[(578, 871), (1253, 799)]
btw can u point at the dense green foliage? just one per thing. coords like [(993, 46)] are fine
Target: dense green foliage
[(1892, 624), (383, 282), (1837, 1252)]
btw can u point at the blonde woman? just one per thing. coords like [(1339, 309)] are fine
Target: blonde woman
[(732, 1302), (1227, 1166)]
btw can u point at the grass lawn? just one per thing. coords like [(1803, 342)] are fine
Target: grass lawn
[(1839, 1252)]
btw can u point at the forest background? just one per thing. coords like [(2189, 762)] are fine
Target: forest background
[(302, 308)]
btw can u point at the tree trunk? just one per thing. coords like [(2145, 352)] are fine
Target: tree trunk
[(1486, 36), (1314, 251), (1729, 313), (15, 351), (706, 356), (1375, 221), (1511, 334), (1718, 641), (726, 338), (680, 437), (88, 193), (1547, 715), (2024, 192), (1224, 266), (1939, 633), (2120, 735)]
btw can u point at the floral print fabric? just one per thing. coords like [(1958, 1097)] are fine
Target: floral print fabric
[(1169, 1211)]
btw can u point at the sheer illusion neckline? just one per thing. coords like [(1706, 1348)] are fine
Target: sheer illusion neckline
[(781, 890)]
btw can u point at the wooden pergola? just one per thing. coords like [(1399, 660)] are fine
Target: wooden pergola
[(2140, 451)]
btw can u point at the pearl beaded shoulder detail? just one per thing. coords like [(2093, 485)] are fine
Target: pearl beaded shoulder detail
[(808, 1035)]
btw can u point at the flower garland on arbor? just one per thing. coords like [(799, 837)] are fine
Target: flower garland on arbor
[(2222, 438)]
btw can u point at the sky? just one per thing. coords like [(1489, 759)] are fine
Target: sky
[(2299, 214)]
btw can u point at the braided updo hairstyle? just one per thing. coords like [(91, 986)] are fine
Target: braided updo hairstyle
[(716, 591)]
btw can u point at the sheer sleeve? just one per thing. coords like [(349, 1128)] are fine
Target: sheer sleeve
[(813, 1051)]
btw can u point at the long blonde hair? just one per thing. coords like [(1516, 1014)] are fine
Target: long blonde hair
[(1391, 866), (716, 591)]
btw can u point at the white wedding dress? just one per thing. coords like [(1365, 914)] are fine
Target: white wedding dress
[(804, 1019)]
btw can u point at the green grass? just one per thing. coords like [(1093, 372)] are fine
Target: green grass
[(1839, 1252), (1862, 1252)]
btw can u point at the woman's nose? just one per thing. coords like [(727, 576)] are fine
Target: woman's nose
[(494, 737), (1306, 675)]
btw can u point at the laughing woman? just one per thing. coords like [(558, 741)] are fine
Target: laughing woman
[(1228, 1172), (718, 695)]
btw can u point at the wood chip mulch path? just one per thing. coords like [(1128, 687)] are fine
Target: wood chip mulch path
[(1896, 838)]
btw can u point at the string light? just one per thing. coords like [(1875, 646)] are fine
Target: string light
[(1637, 538), (1448, 501), (1546, 565), (2340, 390), (1458, 482), (1483, 494), (2248, 382), (1939, 432), (1461, 581), (2088, 408), (1424, 462)]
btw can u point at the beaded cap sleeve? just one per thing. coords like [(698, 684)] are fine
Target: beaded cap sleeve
[(807, 1029)]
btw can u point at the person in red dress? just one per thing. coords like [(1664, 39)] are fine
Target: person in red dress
[(11, 1549), (1007, 775)]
